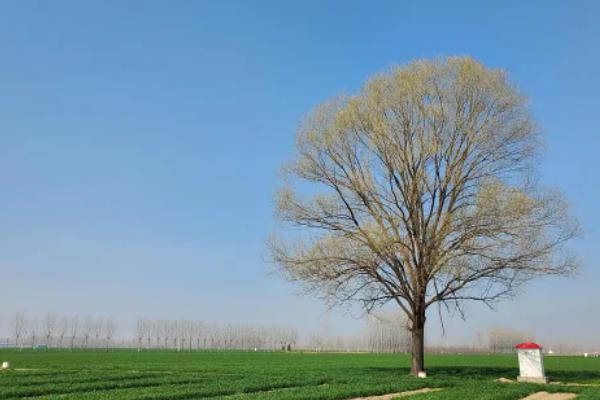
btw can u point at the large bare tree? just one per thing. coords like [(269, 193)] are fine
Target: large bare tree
[(424, 194)]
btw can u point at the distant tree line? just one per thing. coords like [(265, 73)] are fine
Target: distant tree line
[(63, 332), (388, 333), (323, 342), (198, 335), (502, 340), (384, 333)]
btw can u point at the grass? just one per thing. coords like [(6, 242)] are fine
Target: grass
[(161, 375)]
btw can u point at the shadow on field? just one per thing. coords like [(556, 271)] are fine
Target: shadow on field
[(453, 372), (466, 372), (574, 376)]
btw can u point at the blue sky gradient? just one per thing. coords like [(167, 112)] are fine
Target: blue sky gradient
[(140, 147)]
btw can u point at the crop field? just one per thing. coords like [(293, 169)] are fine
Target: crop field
[(154, 375)]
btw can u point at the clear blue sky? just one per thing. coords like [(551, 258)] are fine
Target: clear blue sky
[(140, 144)]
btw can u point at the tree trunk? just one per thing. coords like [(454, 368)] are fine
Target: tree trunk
[(418, 351), (418, 343)]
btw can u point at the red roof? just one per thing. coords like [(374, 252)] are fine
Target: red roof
[(528, 346)]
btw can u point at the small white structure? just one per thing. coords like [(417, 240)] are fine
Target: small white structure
[(5, 365), (531, 363), (422, 374)]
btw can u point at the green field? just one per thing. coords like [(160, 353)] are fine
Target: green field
[(248, 375)]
